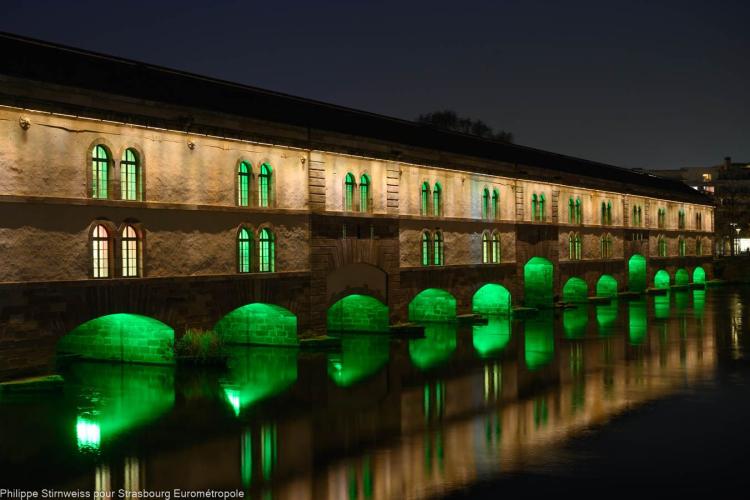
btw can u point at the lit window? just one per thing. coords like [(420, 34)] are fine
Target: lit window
[(681, 219), (706, 177), (495, 204), (534, 206), (364, 194), (579, 211), (574, 246), (349, 187), (437, 200), (267, 251), (662, 246), (571, 211), (609, 213), (130, 176), (425, 248), (425, 207), (542, 214), (243, 183), (244, 250), (486, 250), (496, 248), (437, 252), (129, 242), (486, 203), (100, 172), (100, 249), (264, 185)]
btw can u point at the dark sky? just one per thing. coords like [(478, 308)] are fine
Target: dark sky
[(648, 84)]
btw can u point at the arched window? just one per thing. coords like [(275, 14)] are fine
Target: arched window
[(699, 247), (244, 172), (636, 216), (100, 252), (534, 206), (681, 219), (130, 176), (606, 246), (574, 246), (267, 251), (100, 163), (486, 204), (609, 213), (364, 193), (437, 200), (486, 248), (425, 206), (661, 215), (437, 248), (265, 181), (662, 246), (496, 248), (579, 211), (698, 221), (604, 214), (244, 250), (130, 252), (571, 211), (682, 246), (349, 186), (542, 214), (495, 204), (425, 248)]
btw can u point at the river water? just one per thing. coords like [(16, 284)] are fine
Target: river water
[(649, 392)]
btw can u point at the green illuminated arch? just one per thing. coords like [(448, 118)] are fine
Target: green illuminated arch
[(637, 273), (358, 313), (121, 337), (491, 339), (539, 341), (575, 290), (637, 321), (436, 348), (661, 279), (699, 275), (606, 315), (257, 323), (258, 373), (361, 356), (606, 286), (491, 299), (114, 399), (432, 304), (538, 274), (681, 277), (575, 321)]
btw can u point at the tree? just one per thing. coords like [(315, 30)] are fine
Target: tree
[(449, 120)]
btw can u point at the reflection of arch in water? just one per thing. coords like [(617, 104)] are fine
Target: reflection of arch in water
[(606, 286), (699, 275), (432, 304), (661, 279), (257, 373), (575, 290), (681, 300), (681, 277), (575, 321), (357, 313), (121, 337), (258, 323), (661, 306), (538, 274), (539, 340), (436, 348), (637, 273), (699, 302), (361, 357), (606, 316), (491, 299), (637, 321), (492, 338), (113, 399)]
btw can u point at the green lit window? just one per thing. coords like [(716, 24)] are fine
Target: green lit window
[(130, 176), (425, 248), (682, 246), (486, 203), (571, 211), (534, 207), (681, 219), (437, 200), (100, 252), (244, 250), (364, 194), (437, 249), (542, 215), (425, 207), (579, 211), (495, 204), (130, 252), (349, 186), (267, 251), (244, 172), (496, 247), (574, 246), (604, 214), (637, 213), (661, 218), (607, 246), (100, 162), (486, 249), (264, 185), (609, 213)]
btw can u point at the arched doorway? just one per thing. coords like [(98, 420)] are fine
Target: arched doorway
[(681, 277), (662, 279), (699, 275), (606, 286)]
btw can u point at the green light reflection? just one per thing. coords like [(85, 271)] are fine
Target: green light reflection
[(491, 339), (606, 316), (358, 313), (539, 340), (261, 324), (575, 321), (361, 357), (661, 306), (637, 321), (436, 348)]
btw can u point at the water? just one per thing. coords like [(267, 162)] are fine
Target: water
[(647, 392)]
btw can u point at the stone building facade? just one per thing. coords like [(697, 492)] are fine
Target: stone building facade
[(126, 188)]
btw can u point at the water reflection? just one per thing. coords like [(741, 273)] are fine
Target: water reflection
[(574, 322), (361, 357), (606, 316), (490, 339), (637, 317), (436, 348), (539, 340)]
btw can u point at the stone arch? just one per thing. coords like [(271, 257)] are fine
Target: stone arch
[(121, 337), (681, 277), (606, 286), (637, 273), (538, 282), (357, 312), (432, 304), (259, 323), (575, 290), (491, 299), (699, 275), (662, 279)]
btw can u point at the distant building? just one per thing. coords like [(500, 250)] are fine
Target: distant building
[(729, 184)]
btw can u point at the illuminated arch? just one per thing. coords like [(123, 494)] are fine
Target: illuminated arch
[(432, 304), (661, 279), (699, 275), (575, 290), (538, 275), (360, 313), (258, 323), (606, 286), (681, 277), (491, 299), (637, 273), (121, 337)]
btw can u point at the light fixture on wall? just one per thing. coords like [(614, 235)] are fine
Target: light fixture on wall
[(191, 145), (24, 122)]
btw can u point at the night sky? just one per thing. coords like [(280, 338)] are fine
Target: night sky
[(635, 83)]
